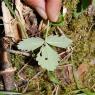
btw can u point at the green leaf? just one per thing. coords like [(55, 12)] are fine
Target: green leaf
[(81, 94), (59, 41), (84, 4), (53, 77), (81, 7), (30, 44), (48, 58), (9, 93), (9, 5), (93, 2), (88, 92)]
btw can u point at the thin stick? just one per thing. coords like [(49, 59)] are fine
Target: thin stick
[(21, 71), (35, 76), (55, 90), (18, 52), (61, 32)]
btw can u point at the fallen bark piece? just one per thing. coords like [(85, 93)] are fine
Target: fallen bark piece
[(10, 24), (8, 77)]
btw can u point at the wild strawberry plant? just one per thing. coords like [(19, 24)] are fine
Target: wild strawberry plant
[(47, 57)]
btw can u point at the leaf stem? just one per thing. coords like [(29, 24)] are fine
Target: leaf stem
[(47, 30)]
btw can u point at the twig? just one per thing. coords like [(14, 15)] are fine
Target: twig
[(21, 71), (35, 76), (61, 32), (18, 52), (62, 53), (91, 27), (40, 25), (55, 91), (93, 87)]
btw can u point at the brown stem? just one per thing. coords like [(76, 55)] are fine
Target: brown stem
[(8, 77), (7, 72), (11, 31)]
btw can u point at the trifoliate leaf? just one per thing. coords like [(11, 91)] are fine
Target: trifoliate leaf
[(59, 41), (48, 58), (30, 44)]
